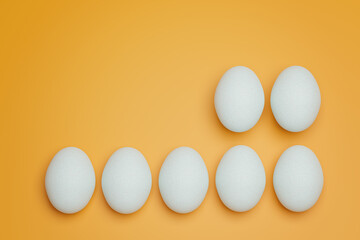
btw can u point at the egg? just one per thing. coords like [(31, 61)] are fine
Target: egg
[(239, 99), (70, 180), (240, 178), (126, 180), (295, 99), (298, 178), (183, 180)]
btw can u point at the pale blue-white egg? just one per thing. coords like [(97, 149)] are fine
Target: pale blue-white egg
[(295, 99), (183, 180), (298, 178), (239, 99), (240, 178), (126, 180), (70, 180)]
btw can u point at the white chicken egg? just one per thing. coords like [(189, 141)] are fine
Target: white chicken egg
[(295, 99), (126, 180), (298, 178), (183, 180), (240, 179), (70, 180), (239, 99)]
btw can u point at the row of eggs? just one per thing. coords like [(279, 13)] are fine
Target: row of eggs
[(295, 99), (183, 179)]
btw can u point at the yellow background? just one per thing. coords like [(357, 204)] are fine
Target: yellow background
[(101, 75)]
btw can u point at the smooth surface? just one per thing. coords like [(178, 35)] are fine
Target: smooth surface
[(183, 180), (70, 180), (240, 178), (298, 178), (295, 99), (126, 180), (239, 99), (101, 75)]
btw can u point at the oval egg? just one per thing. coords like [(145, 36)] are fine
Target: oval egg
[(126, 180), (183, 180), (70, 180), (298, 178), (239, 99), (295, 99), (240, 179)]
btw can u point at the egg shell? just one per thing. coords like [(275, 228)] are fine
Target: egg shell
[(298, 178), (295, 99), (240, 178), (183, 180), (70, 180), (126, 180), (239, 99)]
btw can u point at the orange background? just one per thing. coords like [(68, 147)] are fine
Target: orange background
[(101, 75)]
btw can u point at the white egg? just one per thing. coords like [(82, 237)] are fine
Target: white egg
[(295, 99), (239, 99), (183, 180), (240, 179), (70, 180), (298, 178), (126, 180)]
